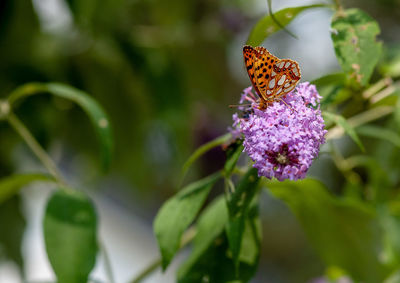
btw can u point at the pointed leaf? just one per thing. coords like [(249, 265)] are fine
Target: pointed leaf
[(379, 133), (9, 186), (204, 261), (393, 278), (95, 112), (335, 78), (332, 88), (70, 226), (92, 108), (391, 226), (267, 26), (216, 265), (238, 205), (397, 112), (345, 233), (390, 67), (354, 39), (251, 242), (12, 223), (177, 214), (378, 180), (210, 225), (341, 121)]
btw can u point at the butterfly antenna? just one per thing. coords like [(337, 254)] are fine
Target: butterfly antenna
[(239, 105), (291, 108)]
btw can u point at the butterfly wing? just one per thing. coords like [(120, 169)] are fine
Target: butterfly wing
[(249, 55), (271, 77), (264, 73), (287, 76)]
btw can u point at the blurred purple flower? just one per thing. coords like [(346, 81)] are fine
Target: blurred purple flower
[(282, 141)]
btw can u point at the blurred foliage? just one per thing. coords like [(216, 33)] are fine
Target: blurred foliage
[(160, 70), (275, 22), (12, 219), (335, 227), (142, 64), (177, 214), (70, 234)]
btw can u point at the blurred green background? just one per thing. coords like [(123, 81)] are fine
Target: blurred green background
[(165, 72)]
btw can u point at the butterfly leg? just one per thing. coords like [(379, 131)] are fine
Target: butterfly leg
[(287, 105)]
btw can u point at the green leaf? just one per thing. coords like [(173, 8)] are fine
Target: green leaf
[(277, 21), (391, 227), (216, 266), (233, 153), (331, 79), (379, 133), (97, 115), (251, 242), (397, 112), (341, 121), (83, 12), (12, 223), (9, 186), (70, 226), (176, 215), (345, 233), (198, 185), (238, 204), (210, 225), (354, 39), (393, 278), (379, 184), (92, 108), (332, 88), (267, 26), (205, 261), (390, 67), (203, 149)]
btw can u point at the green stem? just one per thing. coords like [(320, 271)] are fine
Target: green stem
[(147, 271), (107, 263), (343, 165), (187, 237), (360, 119), (47, 162), (391, 89), (338, 5), (200, 151), (376, 87), (338, 159)]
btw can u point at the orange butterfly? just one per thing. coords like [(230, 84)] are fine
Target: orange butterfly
[(271, 77)]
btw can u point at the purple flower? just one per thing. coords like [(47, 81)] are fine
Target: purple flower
[(281, 140)]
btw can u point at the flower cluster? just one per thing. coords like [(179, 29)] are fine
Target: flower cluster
[(283, 139)]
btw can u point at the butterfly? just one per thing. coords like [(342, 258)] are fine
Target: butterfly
[(271, 77)]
